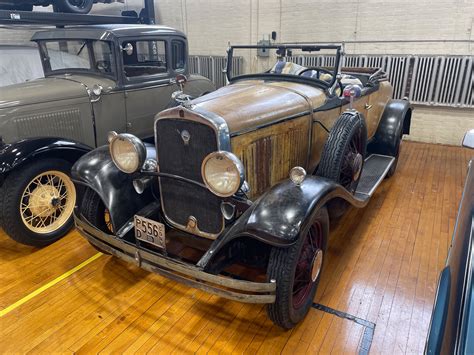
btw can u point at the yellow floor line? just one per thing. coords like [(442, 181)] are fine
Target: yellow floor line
[(43, 288)]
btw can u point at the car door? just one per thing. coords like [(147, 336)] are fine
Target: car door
[(148, 80)]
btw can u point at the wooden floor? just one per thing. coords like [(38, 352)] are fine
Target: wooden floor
[(383, 266)]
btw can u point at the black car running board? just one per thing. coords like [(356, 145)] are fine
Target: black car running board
[(375, 169)]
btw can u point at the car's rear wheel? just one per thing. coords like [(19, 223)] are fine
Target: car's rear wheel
[(39, 199), (343, 155), (94, 210), (75, 6), (297, 271)]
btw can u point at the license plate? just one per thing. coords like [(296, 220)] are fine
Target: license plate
[(150, 231)]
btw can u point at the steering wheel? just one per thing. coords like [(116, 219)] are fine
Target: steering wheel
[(320, 70), (103, 66)]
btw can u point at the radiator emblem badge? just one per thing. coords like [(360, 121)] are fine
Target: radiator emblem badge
[(185, 136)]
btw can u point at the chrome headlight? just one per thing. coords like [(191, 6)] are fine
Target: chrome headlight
[(127, 152), (223, 173)]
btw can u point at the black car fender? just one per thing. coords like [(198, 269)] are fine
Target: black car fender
[(395, 121), (15, 155), (96, 170), (278, 216)]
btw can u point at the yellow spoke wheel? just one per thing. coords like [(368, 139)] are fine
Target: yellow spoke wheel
[(47, 202)]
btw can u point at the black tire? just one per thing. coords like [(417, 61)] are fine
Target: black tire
[(347, 138), (94, 210), (74, 6), (13, 217), (283, 266)]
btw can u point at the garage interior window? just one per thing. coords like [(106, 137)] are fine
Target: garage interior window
[(144, 58), (179, 55)]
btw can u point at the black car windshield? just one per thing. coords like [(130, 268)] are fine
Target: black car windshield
[(62, 56)]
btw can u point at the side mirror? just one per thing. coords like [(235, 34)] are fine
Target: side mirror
[(468, 140), (128, 48)]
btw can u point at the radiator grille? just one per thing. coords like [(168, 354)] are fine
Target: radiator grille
[(181, 199)]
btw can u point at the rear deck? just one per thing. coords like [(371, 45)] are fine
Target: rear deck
[(383, 267)]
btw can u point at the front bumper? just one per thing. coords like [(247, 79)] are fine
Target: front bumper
[(191, 275)]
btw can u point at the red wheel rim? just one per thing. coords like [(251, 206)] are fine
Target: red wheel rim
[(303, 281)]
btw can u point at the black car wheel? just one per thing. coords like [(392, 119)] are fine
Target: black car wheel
[(94, 210), (343, 155), (38, 202), (75, 6), (297, 271)]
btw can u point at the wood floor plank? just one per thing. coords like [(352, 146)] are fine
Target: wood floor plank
[(382, 265)]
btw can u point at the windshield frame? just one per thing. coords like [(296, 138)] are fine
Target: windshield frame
[(282, 49), (45, 59)]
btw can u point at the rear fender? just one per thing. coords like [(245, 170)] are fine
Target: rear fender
[(395, 121), (278, 217), (97, 171)]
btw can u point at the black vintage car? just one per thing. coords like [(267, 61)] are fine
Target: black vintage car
[(452, 321)]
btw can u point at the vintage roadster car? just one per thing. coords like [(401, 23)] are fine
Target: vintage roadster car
[(74, 6), (236, 194), (97, 79)]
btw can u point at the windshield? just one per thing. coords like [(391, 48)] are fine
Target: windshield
[(282, 59), (78, 55)]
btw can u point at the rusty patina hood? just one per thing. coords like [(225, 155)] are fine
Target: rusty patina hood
[(249, 104)]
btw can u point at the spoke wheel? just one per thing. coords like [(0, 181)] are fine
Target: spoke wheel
[(309, 265), (297, 271), (38, 202), (47, 202)]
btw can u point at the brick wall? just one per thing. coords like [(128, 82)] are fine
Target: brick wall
[(211, 24)]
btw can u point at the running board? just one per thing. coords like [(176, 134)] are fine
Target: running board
[(375, 169)]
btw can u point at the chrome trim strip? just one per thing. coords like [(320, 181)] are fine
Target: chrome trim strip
[(219, 124)]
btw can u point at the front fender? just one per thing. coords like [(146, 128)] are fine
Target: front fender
[(278, 216), (97, 171), (16, 154), (395, 121)]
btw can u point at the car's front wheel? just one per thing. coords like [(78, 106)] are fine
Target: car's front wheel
[(74, 6), (38, 203), (93, 209), (297, 271)]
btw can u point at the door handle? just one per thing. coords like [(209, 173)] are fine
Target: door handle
[(368, 107)]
